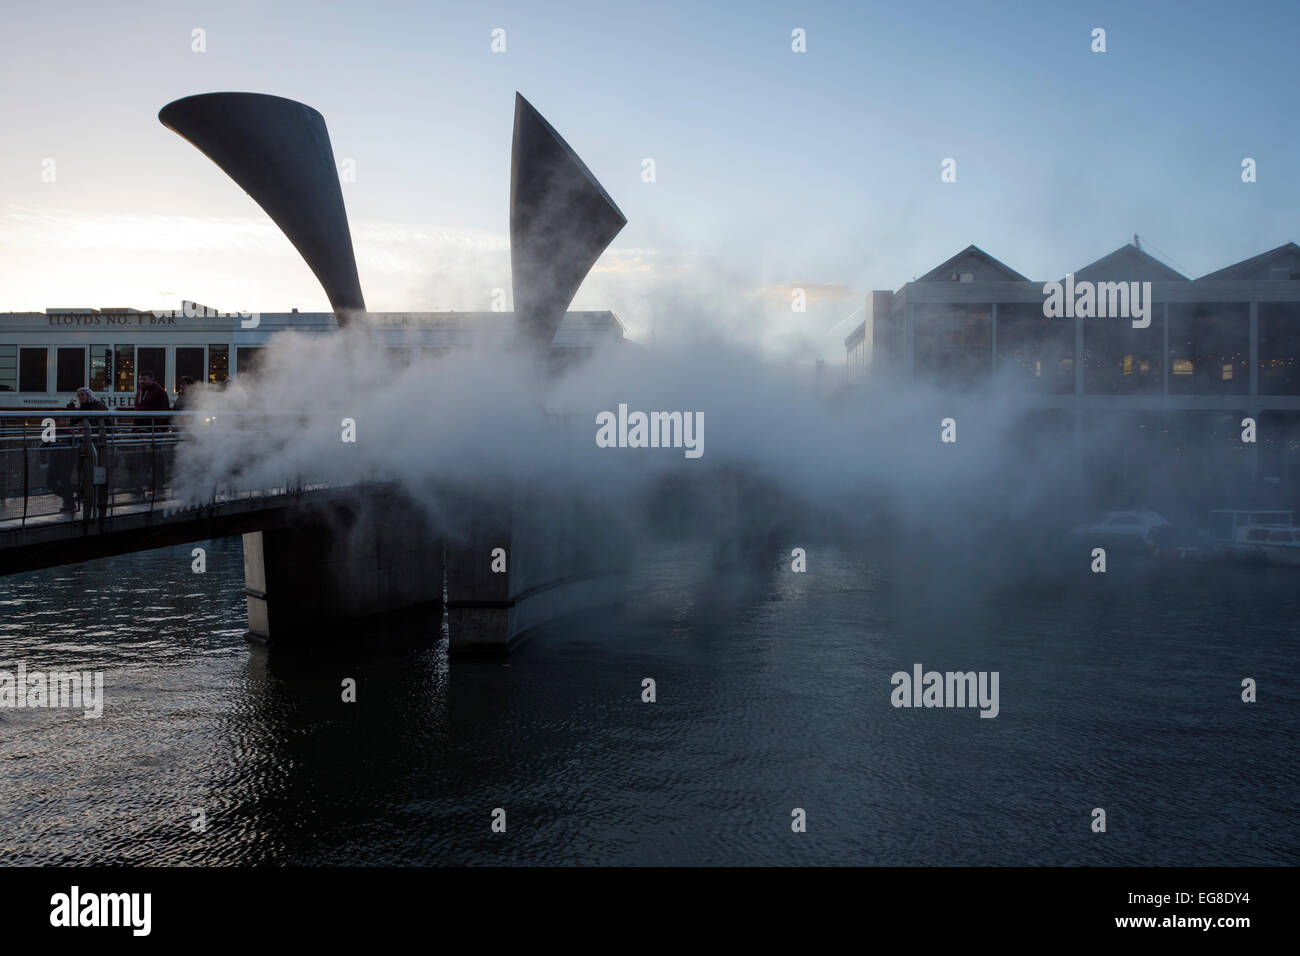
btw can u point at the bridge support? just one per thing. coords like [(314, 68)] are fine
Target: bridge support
[(513, 565), (478, 584), (318, 575), (520, 561)]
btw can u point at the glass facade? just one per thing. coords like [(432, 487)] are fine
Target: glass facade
[(953, 345), (1034, 352), (1121, 360), (1209, 349), (1279, 348)]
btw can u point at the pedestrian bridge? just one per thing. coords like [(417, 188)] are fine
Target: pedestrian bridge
[(317, 555)]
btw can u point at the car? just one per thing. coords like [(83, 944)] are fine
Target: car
[(1123, 529)]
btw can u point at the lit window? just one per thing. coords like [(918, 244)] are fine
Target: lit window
[(1182, 366), (1128, 365), (1227, 372)]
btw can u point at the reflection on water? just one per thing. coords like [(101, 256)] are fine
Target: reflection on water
[(1120, 691)]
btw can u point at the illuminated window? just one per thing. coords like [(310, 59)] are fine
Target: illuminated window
[(1227, 372), (124, 369), (218, 363), (1182, 366), (101, 367), (1128, 364)]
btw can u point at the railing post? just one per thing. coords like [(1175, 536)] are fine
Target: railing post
[(153, 464), (26, 481)]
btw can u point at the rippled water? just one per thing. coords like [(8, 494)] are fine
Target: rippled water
[(1119, 691)]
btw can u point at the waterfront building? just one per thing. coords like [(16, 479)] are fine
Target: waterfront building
[(1217, 350)]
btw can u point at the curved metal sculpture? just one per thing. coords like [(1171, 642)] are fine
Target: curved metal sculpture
[(561, 220), (278, 151)]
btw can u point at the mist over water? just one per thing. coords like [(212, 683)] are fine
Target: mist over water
[(1118, 690)]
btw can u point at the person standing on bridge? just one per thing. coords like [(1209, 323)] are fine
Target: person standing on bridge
[(78, 452), (151, 397), (186, 396)]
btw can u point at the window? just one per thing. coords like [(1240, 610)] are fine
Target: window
[(952, 346), (1119, 359), (218, 363), (8, 368), (33, 370), (101, 367), (1034, 353), (189, 361), (153, 360), (124, 368), (248, 359), (70, 370), (1209, 348), (1273, 517), (1282, 536), (1279, 348)]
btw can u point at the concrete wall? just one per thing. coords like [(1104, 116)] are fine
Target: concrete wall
[(332, 565)]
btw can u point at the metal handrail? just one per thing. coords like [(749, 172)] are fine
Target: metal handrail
[(134, 463)]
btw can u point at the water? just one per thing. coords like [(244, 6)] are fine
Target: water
[(1119, 691)]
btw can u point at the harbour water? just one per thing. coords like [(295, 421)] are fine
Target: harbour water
[(772, 692)]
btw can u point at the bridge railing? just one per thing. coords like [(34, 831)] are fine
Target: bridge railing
[(68, 465)]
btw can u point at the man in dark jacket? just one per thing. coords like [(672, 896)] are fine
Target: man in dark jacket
[(150, 396)]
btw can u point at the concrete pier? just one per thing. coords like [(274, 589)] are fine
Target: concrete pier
[(329, 566), (513, 565)]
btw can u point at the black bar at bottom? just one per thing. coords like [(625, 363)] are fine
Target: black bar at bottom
[(982, 907)]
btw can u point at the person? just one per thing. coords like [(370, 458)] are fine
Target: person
[(151, 397), (62, 467), (185, 395)]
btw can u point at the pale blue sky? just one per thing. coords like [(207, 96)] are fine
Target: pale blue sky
[(774, 169)]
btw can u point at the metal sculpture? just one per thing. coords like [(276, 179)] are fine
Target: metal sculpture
[(561, 220), (279, 151)]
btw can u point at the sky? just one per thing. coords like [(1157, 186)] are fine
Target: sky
[(774, 169)]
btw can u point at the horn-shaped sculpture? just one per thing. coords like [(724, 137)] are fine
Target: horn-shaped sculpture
[(279, 151), (561, 220)]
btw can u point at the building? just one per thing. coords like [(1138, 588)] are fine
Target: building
[(46, 356), (1217, 350)]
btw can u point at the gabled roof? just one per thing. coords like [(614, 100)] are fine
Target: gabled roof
[(1128, 263), (976, 261), (1260, 267)]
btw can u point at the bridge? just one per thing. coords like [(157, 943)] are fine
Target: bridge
[(318, 556), (80, 485)]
